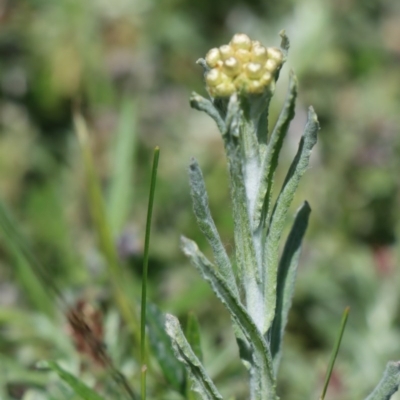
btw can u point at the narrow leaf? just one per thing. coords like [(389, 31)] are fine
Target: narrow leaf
[(389, 384), (249, 264), (271, 250), (250, 115), (121, 185), (286, 279), (161, 347), (79, 387), (200, 103), (96, 201), (145, 271), (270, 160), (335, 351), (202, 382), (35, 280), (262, 361), (101, 223), (207, 226), (285, 44), (193, 335)]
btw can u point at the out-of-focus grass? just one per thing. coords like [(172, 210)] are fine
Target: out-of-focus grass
[(55, 55)]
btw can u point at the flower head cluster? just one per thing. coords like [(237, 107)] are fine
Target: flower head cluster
[(243, 65)]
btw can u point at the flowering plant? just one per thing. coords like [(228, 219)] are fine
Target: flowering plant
[(240, 78)]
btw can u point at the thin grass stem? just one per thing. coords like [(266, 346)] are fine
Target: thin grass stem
[(335, 351)]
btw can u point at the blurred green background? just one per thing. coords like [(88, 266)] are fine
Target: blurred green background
[(129, 67)]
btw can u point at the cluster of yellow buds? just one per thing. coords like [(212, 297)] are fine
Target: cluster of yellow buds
[(243, 65)]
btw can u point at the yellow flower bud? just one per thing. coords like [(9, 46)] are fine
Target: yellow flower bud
[(271, 65), (275, 54), (243, 65), (241, 41), (213, 57), (266, 79), (255, 43), (225, 51), (259, 54), (254, 70), (242, 55), (224, 89), (215, 77), (231, 66), (255, 87), (240, 81)]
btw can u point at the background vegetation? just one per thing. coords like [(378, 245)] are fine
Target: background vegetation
[(129, 66)]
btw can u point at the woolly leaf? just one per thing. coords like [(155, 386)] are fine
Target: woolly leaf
[(200, 103), (161, 347), (286, 279), (271, 251), (389, 384), (183, 351), (270, 160), (262, 369), (206, 224), (249, 264)]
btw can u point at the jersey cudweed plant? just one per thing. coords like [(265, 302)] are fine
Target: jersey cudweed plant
[(240, 79)]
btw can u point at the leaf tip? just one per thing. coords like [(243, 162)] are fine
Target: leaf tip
[(312, 115)]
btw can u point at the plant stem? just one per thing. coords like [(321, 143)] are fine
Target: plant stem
[(335, 351)]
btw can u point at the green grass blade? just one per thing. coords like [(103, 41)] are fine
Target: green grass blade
[(79, 387), (121, 187), (202, 382), (145, 271), (286, 279), (30, 273), (278, 218), (207, 226), (335, 351), (105, 239)]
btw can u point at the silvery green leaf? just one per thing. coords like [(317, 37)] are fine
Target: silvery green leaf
[(389, 383), (183, 351), (286, 279), (285, 43), (232, 118), (248, 129), (192, 333), (160, 343), (271, 250), (202, 104), (263, 381), (269, 162), (249, 265), (207, 226), (203, 63)]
